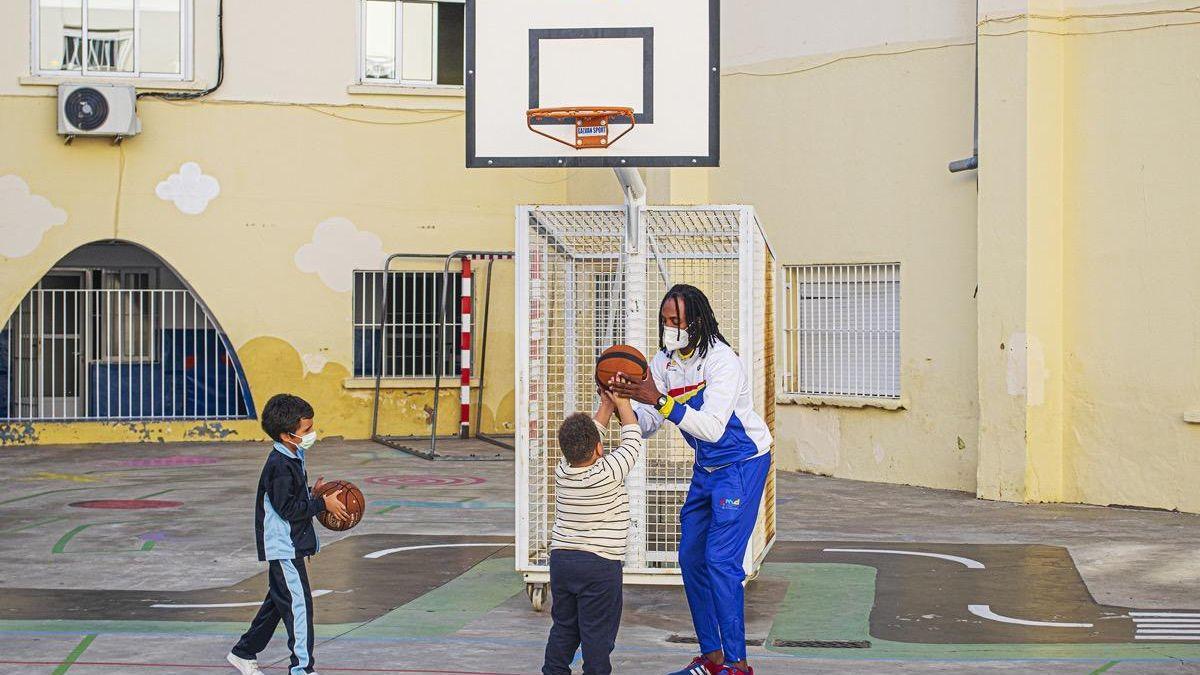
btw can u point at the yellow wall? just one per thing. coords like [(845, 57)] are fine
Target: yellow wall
[(846, 163), (282, 170), (1132, 272)]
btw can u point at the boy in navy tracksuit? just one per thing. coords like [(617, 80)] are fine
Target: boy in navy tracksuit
[(283, 511)]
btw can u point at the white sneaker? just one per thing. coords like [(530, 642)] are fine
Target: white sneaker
[(244, 666)]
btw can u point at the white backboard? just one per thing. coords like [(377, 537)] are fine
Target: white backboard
[(659, 57)]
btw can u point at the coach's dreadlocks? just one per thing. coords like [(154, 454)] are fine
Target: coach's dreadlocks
[(701, 320)]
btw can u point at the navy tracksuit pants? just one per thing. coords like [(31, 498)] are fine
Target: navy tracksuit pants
[(716, 523), (586, 593), (289, 599)]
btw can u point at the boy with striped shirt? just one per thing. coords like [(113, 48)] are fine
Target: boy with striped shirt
[(587, 544)]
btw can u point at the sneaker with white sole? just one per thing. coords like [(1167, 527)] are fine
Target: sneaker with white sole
[(244, 666)]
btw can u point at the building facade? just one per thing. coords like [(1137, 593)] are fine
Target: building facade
[(1028, 331)]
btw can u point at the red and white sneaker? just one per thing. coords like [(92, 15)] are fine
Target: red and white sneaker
[(699, 666), (731, 670)]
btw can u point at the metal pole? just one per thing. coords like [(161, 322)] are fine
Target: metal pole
[(379, 370), (972, 162)]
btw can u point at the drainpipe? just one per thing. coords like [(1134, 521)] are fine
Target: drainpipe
[(971, 163)]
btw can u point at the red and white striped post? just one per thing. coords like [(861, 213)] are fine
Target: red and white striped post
[(464, 420)]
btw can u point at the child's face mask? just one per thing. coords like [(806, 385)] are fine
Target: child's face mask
[(675, 339), (307, 440)]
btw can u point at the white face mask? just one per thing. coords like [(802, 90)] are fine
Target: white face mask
[(307, 440), (675, 339)]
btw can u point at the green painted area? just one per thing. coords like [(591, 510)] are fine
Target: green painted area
[(833, 602), (1104, 668), (447, 609), (146, 546), (74, 655)]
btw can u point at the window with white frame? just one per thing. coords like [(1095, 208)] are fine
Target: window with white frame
[(123, 319), (125, 38), (841, 330), (411, 42), (413, 337)]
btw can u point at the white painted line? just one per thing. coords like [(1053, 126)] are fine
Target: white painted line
[(1167, 614), (1150, 626), (973, 564), (1167, 632), (389, 551), (1167, 637), (220, 605), (985, 612), (1151, 622)]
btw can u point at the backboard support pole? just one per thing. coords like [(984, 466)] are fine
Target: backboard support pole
[(633, 259)]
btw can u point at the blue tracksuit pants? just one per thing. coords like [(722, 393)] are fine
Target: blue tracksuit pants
[(289, 599), (716, 523)]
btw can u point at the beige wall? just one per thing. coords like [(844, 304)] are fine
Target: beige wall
[(846, 163), (1132, 291)]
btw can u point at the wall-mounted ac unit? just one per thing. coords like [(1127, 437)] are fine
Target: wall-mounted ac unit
[(97, 110)]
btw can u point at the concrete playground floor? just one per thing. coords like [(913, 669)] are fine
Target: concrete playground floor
[(140, 559)]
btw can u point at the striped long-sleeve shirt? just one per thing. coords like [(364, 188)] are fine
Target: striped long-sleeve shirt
[(591, 503)]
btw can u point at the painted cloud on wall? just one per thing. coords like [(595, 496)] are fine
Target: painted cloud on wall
[(336, 250), (24, 217), (190, 189)]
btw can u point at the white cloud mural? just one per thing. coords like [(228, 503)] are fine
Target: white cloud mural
[(24, 217), (336, 250), (190, 189)]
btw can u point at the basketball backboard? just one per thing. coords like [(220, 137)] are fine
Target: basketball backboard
[(659, 57)]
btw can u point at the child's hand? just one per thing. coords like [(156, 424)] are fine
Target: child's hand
[(605, 398), (621, 403), (334, 506)]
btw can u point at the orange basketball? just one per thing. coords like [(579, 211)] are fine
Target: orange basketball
[(622, 359), (351, 498)]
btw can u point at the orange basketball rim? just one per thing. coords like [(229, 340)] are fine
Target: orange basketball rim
[(591, 123)]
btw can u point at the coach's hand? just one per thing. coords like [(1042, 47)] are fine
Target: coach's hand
[(642, 391)]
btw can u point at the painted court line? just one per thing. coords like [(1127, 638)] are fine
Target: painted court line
[(1177, 615), (220, 605), (1193, 638), (973, 564), (985, 612), (389, 551), (73, 657)]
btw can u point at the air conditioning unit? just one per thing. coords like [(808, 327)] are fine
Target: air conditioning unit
[(97, 110)]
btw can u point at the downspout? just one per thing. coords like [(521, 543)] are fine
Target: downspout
[(971, 163)]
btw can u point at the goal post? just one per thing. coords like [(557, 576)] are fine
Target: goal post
[(584, 284)]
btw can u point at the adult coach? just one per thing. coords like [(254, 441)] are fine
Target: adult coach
[(697, 383)]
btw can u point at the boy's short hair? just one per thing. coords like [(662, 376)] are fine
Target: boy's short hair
[(283, 414), (578, 437)]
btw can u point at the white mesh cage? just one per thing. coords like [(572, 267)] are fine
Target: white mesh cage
[(575, 285)]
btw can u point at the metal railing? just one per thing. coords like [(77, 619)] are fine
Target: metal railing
[(88, 354), (841, 330), (406, 337)]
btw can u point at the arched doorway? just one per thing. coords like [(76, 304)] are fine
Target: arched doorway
[(113, 333)]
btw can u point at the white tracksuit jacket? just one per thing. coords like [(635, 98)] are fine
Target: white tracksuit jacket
[(714, 406)]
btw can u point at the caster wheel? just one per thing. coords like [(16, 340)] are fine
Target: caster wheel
[(537, 596)]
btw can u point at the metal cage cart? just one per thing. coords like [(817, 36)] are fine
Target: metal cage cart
[(583, 285)]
